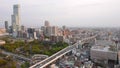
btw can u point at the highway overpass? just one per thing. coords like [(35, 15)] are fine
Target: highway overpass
[(61, 53)]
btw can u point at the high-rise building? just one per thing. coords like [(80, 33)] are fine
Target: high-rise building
[(31, 33), (15, 20), (6, 26), (54, 30), (47, 23), (48, 31)]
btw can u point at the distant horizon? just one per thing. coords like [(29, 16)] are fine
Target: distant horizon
[(1, 27), (71, 13)]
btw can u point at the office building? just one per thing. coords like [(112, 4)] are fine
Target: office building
[(104, 53), (54, 30), (57, 38), (48, 31), (6, 26), (15, 20), (31, 33)]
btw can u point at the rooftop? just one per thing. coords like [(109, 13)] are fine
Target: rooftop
[(104, 45)]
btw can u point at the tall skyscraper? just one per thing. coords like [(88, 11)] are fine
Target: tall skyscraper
[(6, 26), (15, 20)]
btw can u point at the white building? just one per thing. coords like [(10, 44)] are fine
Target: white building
[(103, 53)]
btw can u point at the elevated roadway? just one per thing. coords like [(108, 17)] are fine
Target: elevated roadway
[(59, 54)]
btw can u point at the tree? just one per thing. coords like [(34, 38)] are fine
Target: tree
[(25, 65), (3, 62)]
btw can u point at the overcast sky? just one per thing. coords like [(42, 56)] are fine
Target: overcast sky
[(85, 13)]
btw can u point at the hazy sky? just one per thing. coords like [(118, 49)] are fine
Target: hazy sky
[(99, 13)]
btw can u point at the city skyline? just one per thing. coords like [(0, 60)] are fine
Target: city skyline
[(83, 13)]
